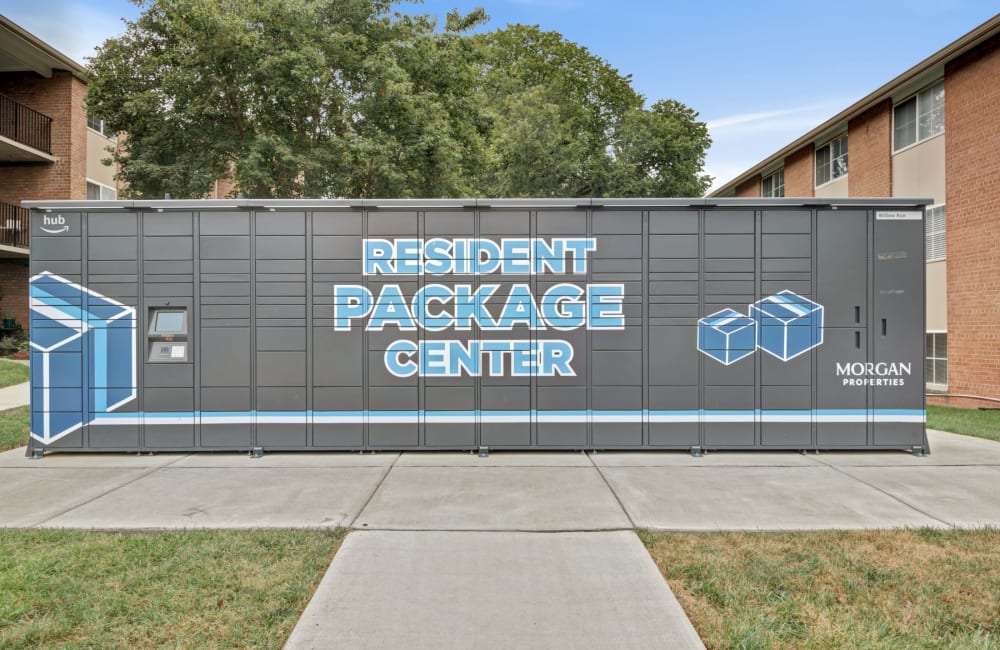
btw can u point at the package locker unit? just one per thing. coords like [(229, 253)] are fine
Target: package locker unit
[(668, 324)]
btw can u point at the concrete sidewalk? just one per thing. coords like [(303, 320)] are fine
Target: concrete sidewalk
[(544, 491), (453, 550), (15, 396)]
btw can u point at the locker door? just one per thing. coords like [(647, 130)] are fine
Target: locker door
[(898, 336), (842, 267), (842, 402)]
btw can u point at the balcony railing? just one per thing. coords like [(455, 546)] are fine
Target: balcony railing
[(14, 225), (25, 125)]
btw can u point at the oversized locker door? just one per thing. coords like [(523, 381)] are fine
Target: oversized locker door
[(842, 263), (897, 374)]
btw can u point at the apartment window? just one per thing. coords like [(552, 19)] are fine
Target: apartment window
[(936, 359), (831, 161), (773, 186), (98, 125), (98, 192), (934, 233), (919, 117)]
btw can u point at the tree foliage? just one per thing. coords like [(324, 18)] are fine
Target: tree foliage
[(313, 98)]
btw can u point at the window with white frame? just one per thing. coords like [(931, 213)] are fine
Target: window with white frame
[(919, 117), (935, 235), (97, 124), (936, 360), (773, 186), (831, 160), (100, 192)]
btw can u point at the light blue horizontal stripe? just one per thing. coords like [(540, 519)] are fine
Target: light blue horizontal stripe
[(573, 413)]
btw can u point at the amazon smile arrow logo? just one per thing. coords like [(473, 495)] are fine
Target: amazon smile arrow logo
[(58, 221)]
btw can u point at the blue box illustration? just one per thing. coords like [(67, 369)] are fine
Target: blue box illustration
[(727, 336), (81, 343), (787, 324)]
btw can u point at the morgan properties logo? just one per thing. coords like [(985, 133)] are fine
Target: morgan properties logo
[(784, 325), (83, 360)]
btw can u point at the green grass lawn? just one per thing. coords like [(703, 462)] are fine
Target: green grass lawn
[(14, 425), (869, 589), (184, 589), (971, 422), (12, 373)]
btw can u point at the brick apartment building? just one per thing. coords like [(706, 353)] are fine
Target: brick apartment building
[(49, 149), (932, 132)]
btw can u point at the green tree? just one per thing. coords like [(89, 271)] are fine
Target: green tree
[(553, 107), (660, 152), (348, 98)]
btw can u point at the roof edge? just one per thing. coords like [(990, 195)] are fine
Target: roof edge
[(472, 203), (63, 61), (949, 52)]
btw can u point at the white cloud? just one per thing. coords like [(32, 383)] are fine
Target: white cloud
[(742, 140)]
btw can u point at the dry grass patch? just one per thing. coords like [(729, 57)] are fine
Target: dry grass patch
[(182, 589), (861, 589)]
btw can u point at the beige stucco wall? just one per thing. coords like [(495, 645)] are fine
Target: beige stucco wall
[(937, 297), (96, 145), (918, 172), (834, 189)]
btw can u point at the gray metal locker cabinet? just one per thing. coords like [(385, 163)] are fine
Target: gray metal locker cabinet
[(112, 269), (337, 359), (673, 361), (898, 335), (618, 365), (280, 328), (232, 308), (568, 395), (506, 403), (786, 252), (730, 264), (842, 287), (167, 392), (392, 398), (449, 402), (226, 319)]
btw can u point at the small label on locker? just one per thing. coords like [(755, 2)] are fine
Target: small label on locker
[(177, 352), (901, 215)]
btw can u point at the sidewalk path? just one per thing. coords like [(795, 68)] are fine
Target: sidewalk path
[(453, 550), (14, 396)]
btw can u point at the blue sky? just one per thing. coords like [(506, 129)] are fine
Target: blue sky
[(760, 73)]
